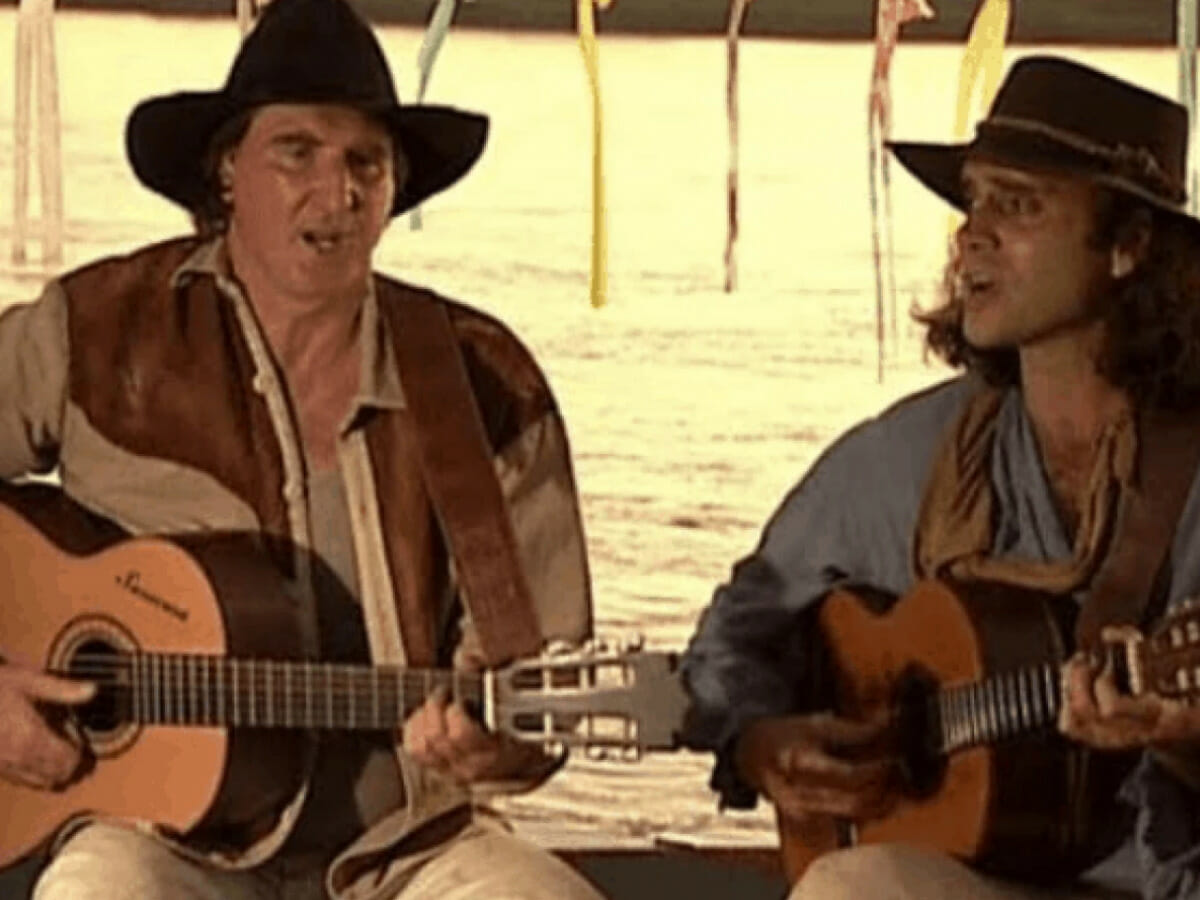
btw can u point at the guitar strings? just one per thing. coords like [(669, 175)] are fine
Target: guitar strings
[(346, 685), (103, 665), (1002, 705)]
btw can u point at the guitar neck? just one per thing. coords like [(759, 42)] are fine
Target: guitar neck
[(992, 709), (186, 689)]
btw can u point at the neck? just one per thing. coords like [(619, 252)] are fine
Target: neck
[(304, 331), (311, 336), (1068, 401)]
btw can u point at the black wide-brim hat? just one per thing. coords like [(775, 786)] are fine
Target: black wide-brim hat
[(1052, 114), (302, 51)]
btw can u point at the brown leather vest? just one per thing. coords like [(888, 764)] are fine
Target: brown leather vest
[(165, 372)]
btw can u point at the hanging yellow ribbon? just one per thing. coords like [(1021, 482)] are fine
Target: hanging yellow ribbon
[(598, 287), (982, 65)]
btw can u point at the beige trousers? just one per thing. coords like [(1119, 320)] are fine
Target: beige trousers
[(899, 872), (483, 862)]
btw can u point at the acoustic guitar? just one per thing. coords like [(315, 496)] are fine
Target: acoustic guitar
[(201, 701), (971, 679)]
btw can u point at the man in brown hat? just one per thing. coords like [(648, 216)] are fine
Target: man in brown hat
[(1063, 462), (260, 379)]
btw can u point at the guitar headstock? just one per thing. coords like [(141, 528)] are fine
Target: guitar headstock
[(607, 699), (1169, 659)]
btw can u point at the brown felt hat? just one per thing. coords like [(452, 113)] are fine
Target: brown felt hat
[(1052, 113), (302, 51)]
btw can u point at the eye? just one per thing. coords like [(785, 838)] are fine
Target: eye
[(368, 167), (1022, 204), (1005, 203), (294, 153)]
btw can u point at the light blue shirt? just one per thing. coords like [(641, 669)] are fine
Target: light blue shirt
[(852, 518)]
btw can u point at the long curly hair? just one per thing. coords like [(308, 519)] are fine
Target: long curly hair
[(1151, 344)]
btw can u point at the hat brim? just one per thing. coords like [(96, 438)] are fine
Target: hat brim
[(441, 144), (939, 166), (166, 139)]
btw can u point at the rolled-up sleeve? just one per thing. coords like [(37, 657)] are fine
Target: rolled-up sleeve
[(33, 383)]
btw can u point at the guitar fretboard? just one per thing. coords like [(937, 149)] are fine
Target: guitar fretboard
[(1002, 706), (188, 689)]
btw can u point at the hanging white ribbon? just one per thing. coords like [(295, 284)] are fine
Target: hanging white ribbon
[(889, 16), (435, 36), (37, 91)]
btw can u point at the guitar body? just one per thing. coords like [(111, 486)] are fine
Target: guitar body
[(205, 700), (138, 596), (1021, 807)]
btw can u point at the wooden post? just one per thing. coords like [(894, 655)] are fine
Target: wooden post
[(37, 74)]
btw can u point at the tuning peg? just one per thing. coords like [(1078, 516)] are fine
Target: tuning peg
[(557, 647), (633, 643)]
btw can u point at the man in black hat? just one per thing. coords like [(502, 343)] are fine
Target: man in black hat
[(1063, 461), (259, 378)]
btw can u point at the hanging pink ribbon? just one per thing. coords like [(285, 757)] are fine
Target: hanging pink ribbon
[(889, 16)]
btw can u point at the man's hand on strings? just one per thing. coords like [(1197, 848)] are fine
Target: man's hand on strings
[(1096, 712), (442, 735)]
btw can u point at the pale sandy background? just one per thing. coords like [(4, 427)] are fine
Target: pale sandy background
[(691, 411)]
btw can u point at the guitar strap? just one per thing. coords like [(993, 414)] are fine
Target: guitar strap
[(1130, 585), (460, 476)]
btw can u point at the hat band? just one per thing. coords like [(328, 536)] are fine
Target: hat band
[(1137, 164)]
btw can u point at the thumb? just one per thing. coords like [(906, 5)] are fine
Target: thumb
[(52, 688)]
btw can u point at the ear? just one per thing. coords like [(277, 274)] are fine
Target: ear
[(1123, 263), (1133, 244), (225, 176)]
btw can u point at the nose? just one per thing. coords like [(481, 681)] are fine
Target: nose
[(977, 231), (338, 188)]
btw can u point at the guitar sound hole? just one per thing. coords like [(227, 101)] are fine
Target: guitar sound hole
[(922, 765), (95, 660)]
